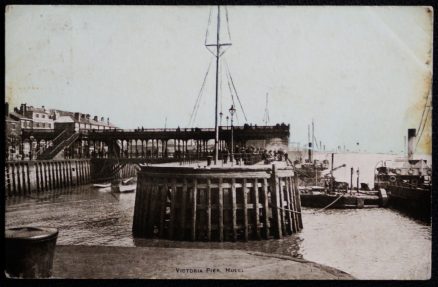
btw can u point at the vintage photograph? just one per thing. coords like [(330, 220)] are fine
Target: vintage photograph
[(218, 142)]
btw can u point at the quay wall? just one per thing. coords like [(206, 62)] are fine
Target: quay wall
[(216, 204), (25, 177)]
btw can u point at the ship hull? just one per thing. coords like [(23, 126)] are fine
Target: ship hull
[(323, 200), (415, 202)]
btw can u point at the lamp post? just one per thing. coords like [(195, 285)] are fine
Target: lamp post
[(220, 118), (227, 120), (232, 111)]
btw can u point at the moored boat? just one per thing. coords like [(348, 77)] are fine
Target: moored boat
[(408, 182), (102, 185)]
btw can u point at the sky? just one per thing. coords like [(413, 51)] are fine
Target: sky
[(363, 74)]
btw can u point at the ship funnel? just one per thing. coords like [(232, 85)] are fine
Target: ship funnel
[(412, 133), (310, 152)]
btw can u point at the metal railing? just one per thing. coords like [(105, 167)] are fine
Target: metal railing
[(245, 127)]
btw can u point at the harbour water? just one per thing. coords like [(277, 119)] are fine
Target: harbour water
[(367, 243)]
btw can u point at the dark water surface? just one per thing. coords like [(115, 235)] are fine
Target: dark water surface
[(367, 243)]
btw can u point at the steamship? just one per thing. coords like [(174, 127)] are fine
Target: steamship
[(408, 182)]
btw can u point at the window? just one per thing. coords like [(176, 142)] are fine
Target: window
[(43, 116), (37, 115), (37, 125)]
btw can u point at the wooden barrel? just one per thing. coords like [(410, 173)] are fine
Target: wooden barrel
[(221, 204)]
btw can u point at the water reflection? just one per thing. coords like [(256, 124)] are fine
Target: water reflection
[(367, 243)]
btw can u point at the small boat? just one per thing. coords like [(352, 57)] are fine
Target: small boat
[(127, 181), (120, 188), (102, 185)]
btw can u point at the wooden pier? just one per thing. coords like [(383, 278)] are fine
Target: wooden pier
[(216, 204), (37, 176)]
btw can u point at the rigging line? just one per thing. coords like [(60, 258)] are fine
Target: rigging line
[(206, 33), (423, 120), (231, 92), (228, 26), (424, 125), (424, 109), (201, 93), (208, 26), (192, 117), (220, 89), (197, 106), (234, 87)]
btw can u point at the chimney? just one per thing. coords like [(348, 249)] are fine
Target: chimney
[(411, 142), (102, 119), (23, 109), (95, 118), (107, 121), (77, 116)]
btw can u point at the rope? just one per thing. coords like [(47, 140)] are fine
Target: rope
[(228, 26), (424, 125), (231, 90), (234, 87), (342, 195), (424, 109), (319, 210), (198, 99)]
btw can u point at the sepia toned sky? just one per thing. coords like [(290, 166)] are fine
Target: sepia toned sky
[(361, 73)]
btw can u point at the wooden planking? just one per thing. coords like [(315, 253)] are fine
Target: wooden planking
[(152, 207), (163, 198), (209, 209), (289, 206), (234, 208), (282, 212), (265, 209), (297, 196), (137, 209), (245, 210), (256, 209), (172, 209), (221, 210), (275, 204), (183, 210), (193, 207)]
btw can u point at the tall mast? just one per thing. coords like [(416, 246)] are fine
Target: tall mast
[(266, 117), (216, 129), (313, 135)]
